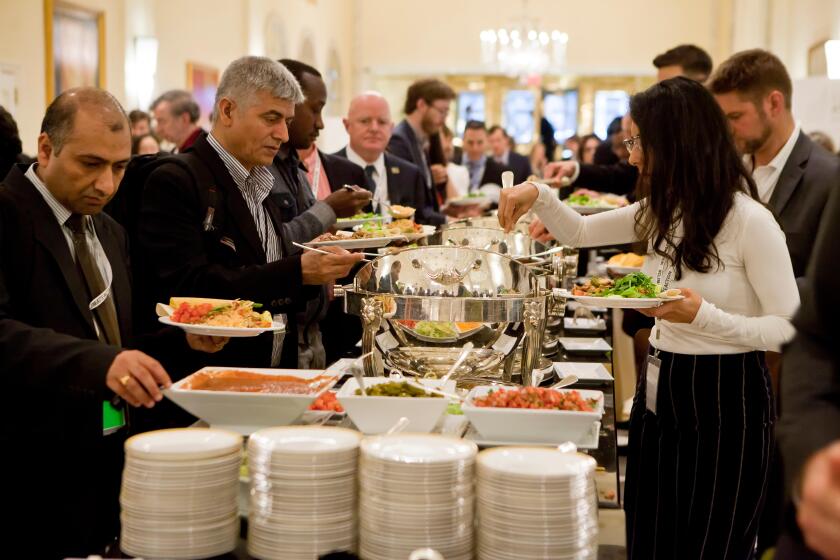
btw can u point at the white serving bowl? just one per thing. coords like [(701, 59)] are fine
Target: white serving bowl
[(243, 412), (527, 425), (375, 415)]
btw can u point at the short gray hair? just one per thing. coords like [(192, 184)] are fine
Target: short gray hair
[(246, 76), (180, 102)]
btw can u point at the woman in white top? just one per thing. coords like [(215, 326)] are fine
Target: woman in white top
[(702, 421)]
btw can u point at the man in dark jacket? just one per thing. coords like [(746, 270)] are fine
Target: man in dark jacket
[(66, 331), (238, 250)]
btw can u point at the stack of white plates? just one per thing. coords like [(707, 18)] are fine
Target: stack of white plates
[(303, 491), (536, 503), (416, 491), (179, 493)]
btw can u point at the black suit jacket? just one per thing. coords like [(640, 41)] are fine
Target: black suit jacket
[(493, 172), (54, 372), (406, 187), (228, 262), (403, 144), (520, 165), (341, 171), (810, 384), (810, 175), (617, 178)]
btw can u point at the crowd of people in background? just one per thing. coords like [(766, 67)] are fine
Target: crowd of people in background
[(129, 209)]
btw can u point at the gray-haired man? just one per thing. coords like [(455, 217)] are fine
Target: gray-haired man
[(176, 115), (208, 227)]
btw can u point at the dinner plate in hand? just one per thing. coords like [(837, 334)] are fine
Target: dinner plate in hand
[(231, 332), (620, 302), (364, 243), (623, 270)]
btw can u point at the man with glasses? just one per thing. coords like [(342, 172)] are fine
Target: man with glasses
[(426, 108)]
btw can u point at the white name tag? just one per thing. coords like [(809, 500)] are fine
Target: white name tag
[(652, 383)]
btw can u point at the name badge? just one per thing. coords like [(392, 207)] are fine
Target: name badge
[(652, 382)]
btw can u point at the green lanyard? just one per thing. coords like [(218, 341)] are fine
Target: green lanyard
[(112, 418)]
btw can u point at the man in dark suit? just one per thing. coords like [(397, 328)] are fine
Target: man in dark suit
[(809, 428), (65, 325), (238, 249), (500, 146), (793, 175), (483, 169), (390, 179), (427, 104)]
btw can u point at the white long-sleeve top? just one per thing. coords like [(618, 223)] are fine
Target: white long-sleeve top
[(747, 304)]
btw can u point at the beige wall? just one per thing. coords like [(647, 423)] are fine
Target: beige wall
[(22, 48)]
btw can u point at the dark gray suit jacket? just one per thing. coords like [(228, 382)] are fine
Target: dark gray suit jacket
[(520, 165), (800, 197), (406, 187)]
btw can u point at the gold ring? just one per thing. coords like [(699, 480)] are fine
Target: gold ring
[(124, 380)]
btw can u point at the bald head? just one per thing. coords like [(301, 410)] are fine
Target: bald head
[(369, 125), (60, 118)]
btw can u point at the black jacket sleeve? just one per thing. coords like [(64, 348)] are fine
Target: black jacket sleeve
[(173, 243), (810, 380), (399, 147), (618, 178)]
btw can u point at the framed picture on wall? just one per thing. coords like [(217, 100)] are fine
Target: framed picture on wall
[(202, 82), (74, 46)]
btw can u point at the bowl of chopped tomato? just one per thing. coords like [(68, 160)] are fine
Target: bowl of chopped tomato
[(533, 414)]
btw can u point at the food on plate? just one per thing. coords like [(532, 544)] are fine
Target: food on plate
[(251, 382), (594, 199), (397, 227), (454, 408), (360, 216), (219, 313), (629, 260), (337, 236), (440, 329), (536, 397), (327, 401), (636, 285), (396, 389), (402, 212)]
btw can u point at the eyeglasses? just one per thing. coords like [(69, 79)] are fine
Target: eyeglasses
[(443, 112), (632, 142)]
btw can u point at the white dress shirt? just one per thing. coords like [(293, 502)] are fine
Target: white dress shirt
[(766, 176), (380, 177), (747, 304)]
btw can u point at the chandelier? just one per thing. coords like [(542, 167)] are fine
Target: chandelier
[(524, 49)]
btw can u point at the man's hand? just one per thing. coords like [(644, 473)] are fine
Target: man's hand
[(556, 171), (318, 268), (680, 311), (539, 232), (818, 514), (135, 377), (346, 203), (439, 174), (209, 344)]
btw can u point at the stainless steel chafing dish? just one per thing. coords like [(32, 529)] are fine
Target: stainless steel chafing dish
[(449, 284), (514, 243)]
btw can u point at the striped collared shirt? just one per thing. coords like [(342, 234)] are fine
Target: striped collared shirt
[(62, 214), (255, 188)]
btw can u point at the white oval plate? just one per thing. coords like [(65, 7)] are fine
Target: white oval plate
[(366, 243), (231, 332), (619, 302), (623, 270), (469, 200)]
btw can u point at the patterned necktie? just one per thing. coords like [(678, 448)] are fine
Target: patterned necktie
[(371, 183), (105, 313)]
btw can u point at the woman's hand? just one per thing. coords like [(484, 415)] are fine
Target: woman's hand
[(514, 202), (680, 311), (209, 344), (539, 232)]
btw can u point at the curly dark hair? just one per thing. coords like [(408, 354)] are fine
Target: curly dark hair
[(690, 174), (10, 144)]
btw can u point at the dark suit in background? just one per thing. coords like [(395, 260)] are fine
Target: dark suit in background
[(604, 154), (406, 186), (63, 475), (227, 262), (810, 175), (340, 171), (404, 144), (618, 178), (492, 172), (520, 165), (810, 386)]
